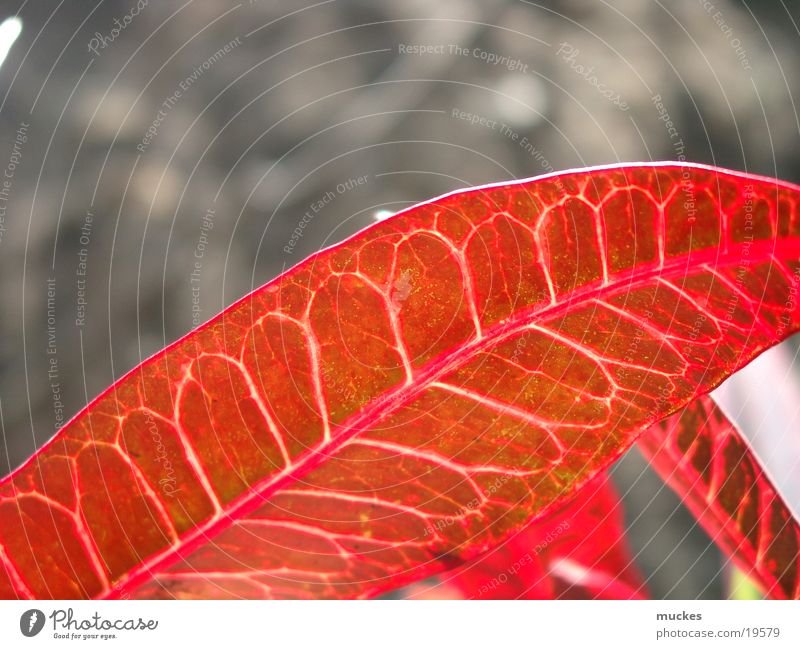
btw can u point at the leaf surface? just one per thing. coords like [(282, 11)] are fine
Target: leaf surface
[(404, 401), (710, 465), (577, 552)]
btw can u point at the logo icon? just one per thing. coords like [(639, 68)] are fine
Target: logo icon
[(31, 622)]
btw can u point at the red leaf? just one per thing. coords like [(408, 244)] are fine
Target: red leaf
[(404, 401), (710, 465), (577, 552), (593, 559)]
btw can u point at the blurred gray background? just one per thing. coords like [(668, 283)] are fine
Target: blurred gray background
[(279, 102)]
